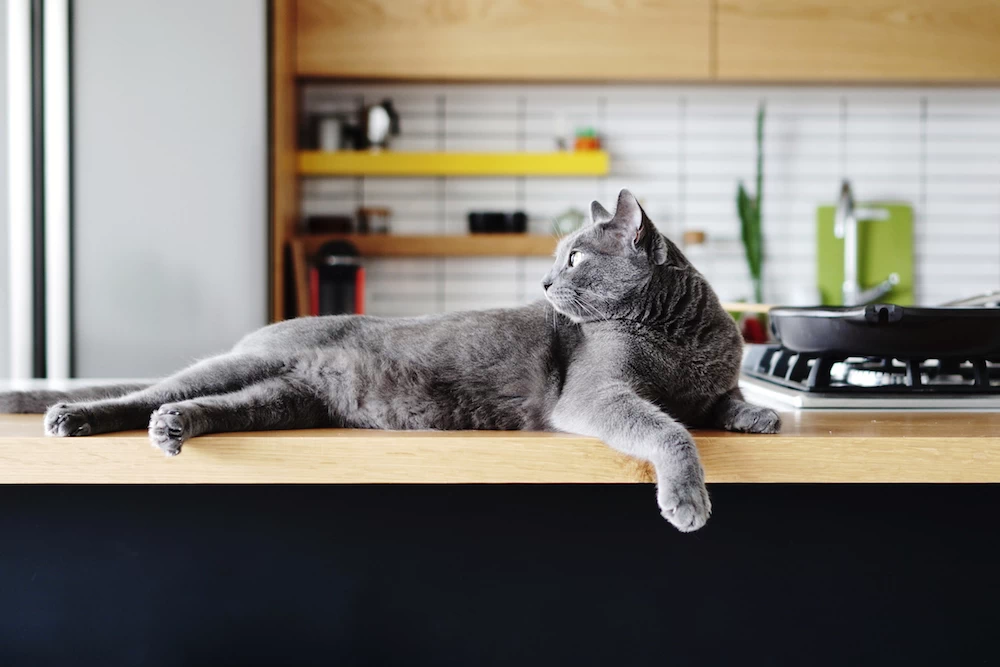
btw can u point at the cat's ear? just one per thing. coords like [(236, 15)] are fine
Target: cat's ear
[(636, 229), (628, 213), (598, 213)]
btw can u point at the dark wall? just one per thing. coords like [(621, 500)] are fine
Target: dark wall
[(495, 575)]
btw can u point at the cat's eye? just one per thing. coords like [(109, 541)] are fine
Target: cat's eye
[(575, 257)]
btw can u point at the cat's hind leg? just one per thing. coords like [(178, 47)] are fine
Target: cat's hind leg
[(277, 403), (732, 413), (36, 402), (216, 375)]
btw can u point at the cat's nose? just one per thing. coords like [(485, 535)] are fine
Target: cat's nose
[(546, 284)]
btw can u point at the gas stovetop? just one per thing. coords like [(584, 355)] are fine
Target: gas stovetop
[(773, 374)]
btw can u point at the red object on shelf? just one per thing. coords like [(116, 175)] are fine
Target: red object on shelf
[(314, 291), (359, 291), (753, 330)]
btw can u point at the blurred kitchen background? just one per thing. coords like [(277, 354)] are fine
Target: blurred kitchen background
[(682, 150), (234, 162)]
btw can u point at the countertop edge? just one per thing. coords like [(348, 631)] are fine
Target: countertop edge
[(863, 450)]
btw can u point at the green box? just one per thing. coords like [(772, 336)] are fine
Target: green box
[(886, 246)]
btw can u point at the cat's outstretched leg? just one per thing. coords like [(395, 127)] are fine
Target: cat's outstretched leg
[(217, 375), (613, 412), (732, 413), (36, 402), (278, 403)]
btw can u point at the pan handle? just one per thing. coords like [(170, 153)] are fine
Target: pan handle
[(876, 313), (978, 300)]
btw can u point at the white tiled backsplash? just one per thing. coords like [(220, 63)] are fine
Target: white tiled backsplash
[(681, 150)]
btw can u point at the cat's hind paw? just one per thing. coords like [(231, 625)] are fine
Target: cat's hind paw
[(686, 506), (168, 429), (66, 419)]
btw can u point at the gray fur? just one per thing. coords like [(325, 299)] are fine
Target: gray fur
[(630, 346)]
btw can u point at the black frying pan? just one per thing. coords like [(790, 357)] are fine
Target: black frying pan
[(882, 330)]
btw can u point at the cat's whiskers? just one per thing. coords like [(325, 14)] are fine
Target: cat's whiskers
[(590, 306), (590, 292), (587, 307), (555, 315)]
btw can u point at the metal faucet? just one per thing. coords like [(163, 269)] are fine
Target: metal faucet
[(845, 226)]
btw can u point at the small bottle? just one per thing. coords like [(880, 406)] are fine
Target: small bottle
[(330, 130)]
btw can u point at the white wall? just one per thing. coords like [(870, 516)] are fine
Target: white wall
[(682, 150), (4, 361), (171, 181)]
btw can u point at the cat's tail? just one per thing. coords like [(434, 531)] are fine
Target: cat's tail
[(38, 401)]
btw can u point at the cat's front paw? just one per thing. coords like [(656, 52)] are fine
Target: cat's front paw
[(66, 419), (685, 504), (755, 419), (168, 429)]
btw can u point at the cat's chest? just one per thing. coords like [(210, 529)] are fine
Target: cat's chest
[(675, 375), (662, 369)]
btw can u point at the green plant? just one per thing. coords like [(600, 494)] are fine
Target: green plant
[(749, 209)]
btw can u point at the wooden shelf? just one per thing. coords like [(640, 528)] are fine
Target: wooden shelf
[(470, 245), (388, 163)]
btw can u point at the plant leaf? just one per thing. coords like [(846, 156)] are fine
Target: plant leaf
[(749, 229), (744, 209)]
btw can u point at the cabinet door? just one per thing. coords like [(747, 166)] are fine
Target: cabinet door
[(859, 40), (505, 39)]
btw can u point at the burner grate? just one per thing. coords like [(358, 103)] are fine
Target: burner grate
[(830, 373)]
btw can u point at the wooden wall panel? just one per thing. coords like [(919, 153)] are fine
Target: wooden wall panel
[(859, 40), (505, 39)]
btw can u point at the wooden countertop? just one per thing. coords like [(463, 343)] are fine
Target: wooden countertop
[(814, 446)]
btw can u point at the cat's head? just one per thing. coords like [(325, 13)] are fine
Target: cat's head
[(602, 270)]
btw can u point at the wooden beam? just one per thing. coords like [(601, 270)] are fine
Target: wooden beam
[(284, 182), (300, 269)]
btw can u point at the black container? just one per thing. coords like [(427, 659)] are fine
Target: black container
[(340, 280), (329, 224), (487, 222)]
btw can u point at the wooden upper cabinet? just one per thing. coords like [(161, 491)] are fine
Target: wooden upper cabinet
[(859, 40), (505, 39)]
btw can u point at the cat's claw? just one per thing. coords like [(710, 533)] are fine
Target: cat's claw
[(66, 420), (168, 429), (686, 505)]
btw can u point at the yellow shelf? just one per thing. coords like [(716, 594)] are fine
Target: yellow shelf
[(388, 163), (470, 245)]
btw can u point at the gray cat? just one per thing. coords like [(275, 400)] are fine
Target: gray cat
[(629, 346)]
